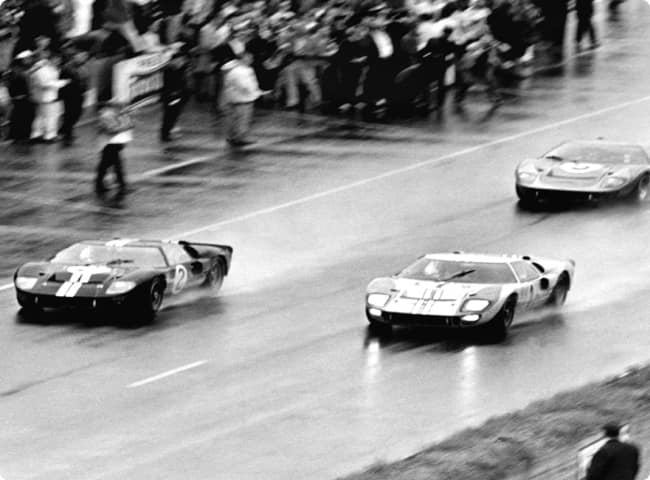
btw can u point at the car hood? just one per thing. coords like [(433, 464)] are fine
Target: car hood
[(52, 276), (432, 298), (578, 173)]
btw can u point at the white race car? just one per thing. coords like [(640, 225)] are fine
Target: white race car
[(462, 290)]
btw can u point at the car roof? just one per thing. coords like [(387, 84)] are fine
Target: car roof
[(474, 257), (602, 143), (123, 242)]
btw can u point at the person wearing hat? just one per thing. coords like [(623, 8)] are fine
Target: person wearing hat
[(616, 459), (22, 107)]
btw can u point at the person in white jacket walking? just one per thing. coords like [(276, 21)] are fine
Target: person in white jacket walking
[(45, 86), (240, 90)]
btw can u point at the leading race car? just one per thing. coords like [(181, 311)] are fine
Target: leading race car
[(135, 274), (585, 171), (460, 290)]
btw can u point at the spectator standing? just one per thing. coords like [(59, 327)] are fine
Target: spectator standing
[(240, 92), (302, 69), (75, 71), (22, 107), (174, 93), (44, 88), (615, 460), (350, 61), (584, 12), (116, 130), (381, 66), (435, 56)]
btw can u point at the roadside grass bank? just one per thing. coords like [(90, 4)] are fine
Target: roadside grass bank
[(540, 441)]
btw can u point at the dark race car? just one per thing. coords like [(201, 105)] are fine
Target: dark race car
[(126, 273), (584, 171)]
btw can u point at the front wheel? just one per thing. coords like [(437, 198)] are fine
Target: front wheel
[(379, 329), (527, 198), (151, 299)]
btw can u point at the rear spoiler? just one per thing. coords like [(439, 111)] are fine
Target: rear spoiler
[(227, 249)]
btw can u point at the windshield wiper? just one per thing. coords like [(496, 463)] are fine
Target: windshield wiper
[(462, 273), (119, 261), (554, 157)]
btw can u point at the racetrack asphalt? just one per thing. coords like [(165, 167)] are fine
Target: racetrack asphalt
[(278, 377)]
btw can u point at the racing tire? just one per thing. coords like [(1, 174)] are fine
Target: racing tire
[(641, 192), (527, 199), (380, 329), (214, 278), (497, 328), (30, 313), (560, 291), (151, 300)]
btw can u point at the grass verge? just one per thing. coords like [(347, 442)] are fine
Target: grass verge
[(511, 445)]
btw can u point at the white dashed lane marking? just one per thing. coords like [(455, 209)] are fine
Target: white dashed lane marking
[(166, 374)]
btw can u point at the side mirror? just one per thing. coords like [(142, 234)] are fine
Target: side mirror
[(544, 283), (196, 267)]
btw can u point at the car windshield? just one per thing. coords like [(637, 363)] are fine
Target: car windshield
[(598, 153), (458, 271), (102, 254)]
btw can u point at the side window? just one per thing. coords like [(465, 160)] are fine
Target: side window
[(175, 254), (525, 271)]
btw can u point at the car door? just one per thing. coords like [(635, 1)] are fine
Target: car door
[(184, 272), (529, 284)]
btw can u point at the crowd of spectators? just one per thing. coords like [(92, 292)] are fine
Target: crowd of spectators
[(390, 57)]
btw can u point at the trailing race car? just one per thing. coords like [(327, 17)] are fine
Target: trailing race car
[(585, 171), (135, 274), (460, 290)]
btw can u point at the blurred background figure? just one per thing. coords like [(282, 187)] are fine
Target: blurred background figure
[(22, 107), (240, 91), (584, 12), (44, 87), (174, 92), (75, 71)]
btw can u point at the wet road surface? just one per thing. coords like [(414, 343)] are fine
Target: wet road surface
[(278, 377)]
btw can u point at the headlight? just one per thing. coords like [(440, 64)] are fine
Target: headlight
[(120, 286), (614, 182), (475, 305), (25, 283), (377, 299), (527, 176)]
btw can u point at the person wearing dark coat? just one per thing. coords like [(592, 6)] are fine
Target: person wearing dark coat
[(435, 56), (584, 12), (174, 93), (615, 460), (22, 107), (72, 94)]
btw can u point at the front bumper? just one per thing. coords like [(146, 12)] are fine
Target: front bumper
[(38, 300), (415, 320), (543, 194)]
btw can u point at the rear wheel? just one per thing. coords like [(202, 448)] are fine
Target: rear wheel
[(497, 329), (560, 291), (642, 190), (214, 277)]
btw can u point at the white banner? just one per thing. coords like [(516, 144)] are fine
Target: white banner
[(139, 79)]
